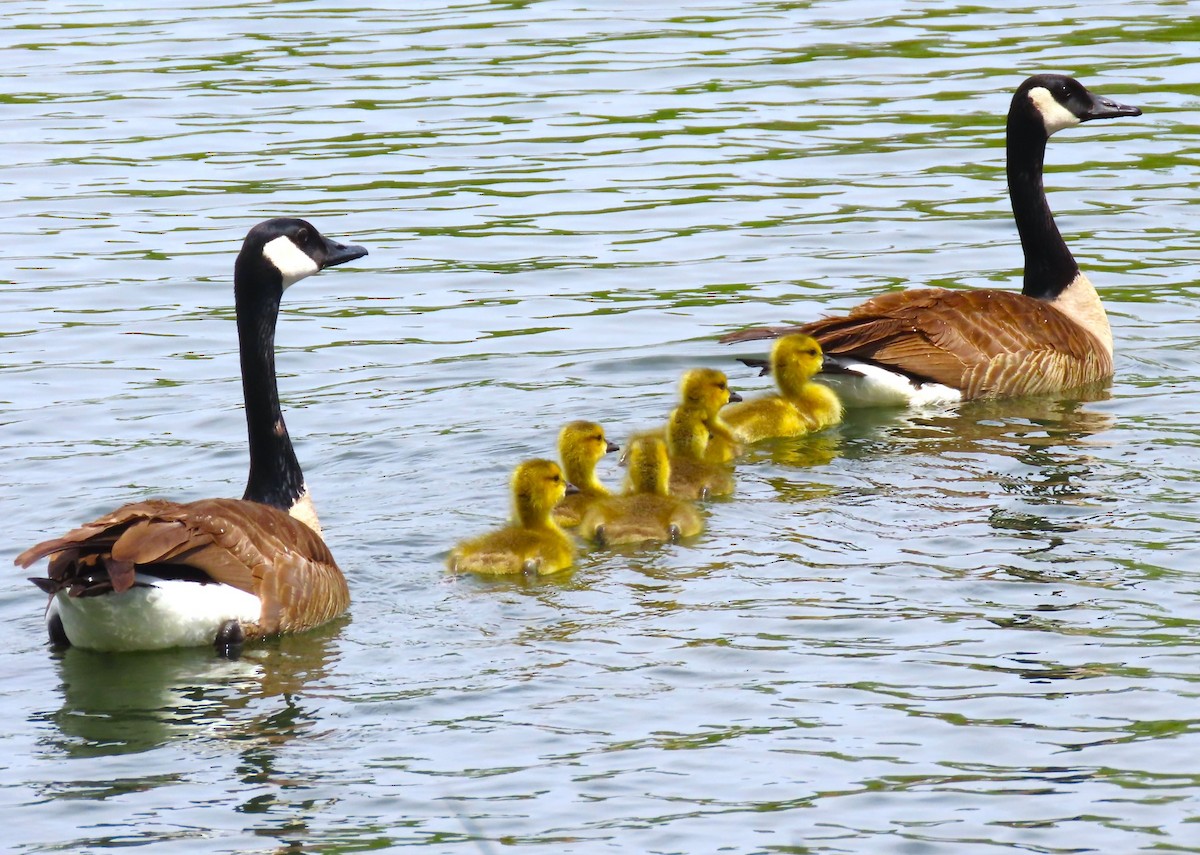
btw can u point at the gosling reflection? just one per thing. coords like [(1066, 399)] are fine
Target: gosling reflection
[(136, 702), (804, 452)]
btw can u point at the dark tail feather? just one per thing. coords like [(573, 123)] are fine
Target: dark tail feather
[(47, 585), (836, 365), (763, 365)]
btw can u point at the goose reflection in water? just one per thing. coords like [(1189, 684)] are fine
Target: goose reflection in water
[(114, 705)]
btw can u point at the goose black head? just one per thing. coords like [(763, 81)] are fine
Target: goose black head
[(292, 249), (1060, 102)]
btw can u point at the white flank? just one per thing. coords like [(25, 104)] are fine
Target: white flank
[(292, 262), (161, 613), (1055, 116), (874, 386)]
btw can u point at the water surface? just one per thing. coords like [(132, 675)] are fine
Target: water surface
[(969, 631)]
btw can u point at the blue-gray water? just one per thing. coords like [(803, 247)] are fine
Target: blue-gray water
[(967, 632)]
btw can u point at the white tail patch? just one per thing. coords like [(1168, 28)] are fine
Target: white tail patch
[(865, 384), (1054, 115), (291, 261), (155, 614)]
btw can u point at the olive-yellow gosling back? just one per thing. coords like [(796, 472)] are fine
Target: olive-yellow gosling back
[(532, 543), (801, 406), (647, 512), (692, 477), (708, 389), (580, 447)]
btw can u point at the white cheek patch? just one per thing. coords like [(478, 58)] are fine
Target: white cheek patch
[(292, 262), (1054, 115)]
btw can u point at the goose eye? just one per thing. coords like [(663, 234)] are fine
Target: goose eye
[(302, 236)]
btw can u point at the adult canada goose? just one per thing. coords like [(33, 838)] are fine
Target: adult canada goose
[(646, 512), (801, 405), (532, 543), (932, 345), (580, 447), (158, 574)]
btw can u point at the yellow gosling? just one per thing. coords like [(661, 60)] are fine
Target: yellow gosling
[(801, 406), (708, 389), (647, 512), (692, 477), (533, 543), (580, 447)]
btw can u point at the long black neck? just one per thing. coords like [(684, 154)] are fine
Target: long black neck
[(1049, 265), (275, 474)]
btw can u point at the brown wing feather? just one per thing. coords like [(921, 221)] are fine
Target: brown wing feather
[(249, 546), (984, 342), (148, 541)]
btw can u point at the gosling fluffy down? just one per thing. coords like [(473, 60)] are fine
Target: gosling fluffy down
[(646, 512), (692, 477), (708, 389), (581, 445), (802, 405), (532, 543)]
